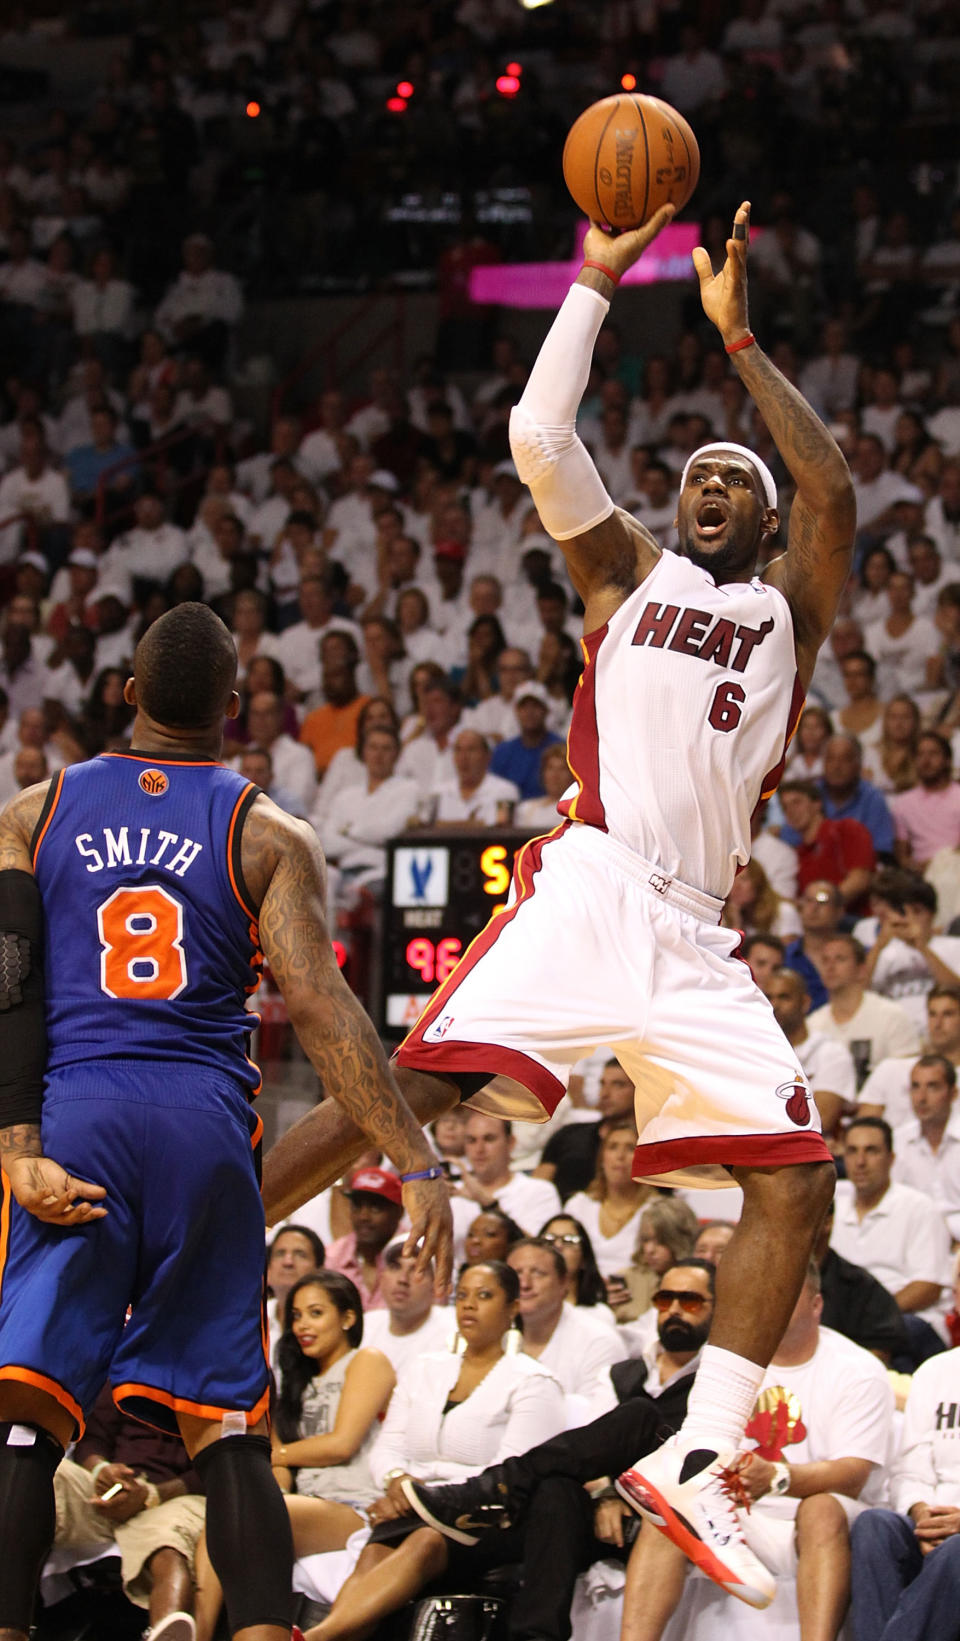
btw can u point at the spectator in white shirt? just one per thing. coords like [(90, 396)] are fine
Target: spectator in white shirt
[(428, 757), (942, 517), (298, 646), (255, 764), (874, 1028), (150, 551), (293, 766), (694, 76), (22, 276), (927, 1148), (907, 959), (474, 797), (410, 1323), (362, 818), (578, 1349), (319, 451), (486, 1178), (830, 380), (905, 646), (894, 1231), (882, 411), (204, 304), (886, 1092), (34, 489), (103, 307), (877, 489), (201, 403)]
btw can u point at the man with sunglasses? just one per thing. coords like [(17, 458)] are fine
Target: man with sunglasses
[(555, 1505)]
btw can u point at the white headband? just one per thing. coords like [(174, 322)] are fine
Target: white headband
[(766, 477)]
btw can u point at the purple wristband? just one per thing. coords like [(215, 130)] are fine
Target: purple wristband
[(423, 1173)]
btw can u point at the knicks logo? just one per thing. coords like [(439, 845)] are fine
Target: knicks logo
[(797, 1101), (153, 782)]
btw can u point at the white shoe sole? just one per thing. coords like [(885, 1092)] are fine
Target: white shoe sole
[(175, 1627)]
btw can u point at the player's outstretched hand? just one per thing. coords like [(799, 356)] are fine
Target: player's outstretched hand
[(427, 1202), (49, 1193), (618, 252), (724, 295)]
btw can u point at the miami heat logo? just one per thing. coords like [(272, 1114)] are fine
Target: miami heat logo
[(776, 1422), (153, 782), (797, 1100)]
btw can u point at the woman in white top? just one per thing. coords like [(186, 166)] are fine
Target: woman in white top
[(540, 814), (585, 1285), (805, 758), (754, 906), (346, 768), (450, 1417), (610, 1206), (332, 1397), (906, 647)]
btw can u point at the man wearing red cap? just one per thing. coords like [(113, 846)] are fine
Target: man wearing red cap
[(376, 1208)]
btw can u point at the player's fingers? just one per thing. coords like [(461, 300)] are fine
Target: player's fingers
[(82, 1188), (703, 267), (741, 225)]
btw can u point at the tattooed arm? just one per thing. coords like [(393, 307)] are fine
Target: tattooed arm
[(814, 570), (283, 867), (39, 1183)]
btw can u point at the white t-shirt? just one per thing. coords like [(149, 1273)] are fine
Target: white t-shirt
[(882, 1024), (613, 1253), (903, 1238), (888, 1086), (902, 659), (927, 1468), (482, 805), (901, 973), (580, 1353), (828, 1065), (837, 1405), (434, 1333)]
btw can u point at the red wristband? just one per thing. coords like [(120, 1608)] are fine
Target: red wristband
[(600, 267), (744, 342)]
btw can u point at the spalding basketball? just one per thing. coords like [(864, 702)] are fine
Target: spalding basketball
[(626, 156)]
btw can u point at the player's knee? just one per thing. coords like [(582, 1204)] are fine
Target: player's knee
[(249, 1538)]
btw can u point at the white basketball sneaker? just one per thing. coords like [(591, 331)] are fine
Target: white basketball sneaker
[(694, 1496)]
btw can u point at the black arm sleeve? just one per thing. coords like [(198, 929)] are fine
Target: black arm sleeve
[(23, 1028)]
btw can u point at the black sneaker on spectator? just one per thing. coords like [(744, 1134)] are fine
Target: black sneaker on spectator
[(455, 1510)]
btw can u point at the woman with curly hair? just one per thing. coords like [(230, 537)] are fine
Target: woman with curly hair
[(754, 906)]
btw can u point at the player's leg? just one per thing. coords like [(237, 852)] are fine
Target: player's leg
[(320, 1147), (249, 1541), (34, 1431)]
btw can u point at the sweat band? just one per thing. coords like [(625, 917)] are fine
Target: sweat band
[(722, 447)]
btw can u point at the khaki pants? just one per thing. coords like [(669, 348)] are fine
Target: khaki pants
[(174, 1525)]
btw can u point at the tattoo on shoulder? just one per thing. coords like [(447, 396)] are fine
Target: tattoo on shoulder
[(18, 822)]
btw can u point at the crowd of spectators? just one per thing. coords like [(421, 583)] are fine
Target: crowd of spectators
[(408, 649)]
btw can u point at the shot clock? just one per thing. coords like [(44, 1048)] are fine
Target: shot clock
[(442, 888)]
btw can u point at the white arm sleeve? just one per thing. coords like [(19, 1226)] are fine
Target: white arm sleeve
[(568, 491)]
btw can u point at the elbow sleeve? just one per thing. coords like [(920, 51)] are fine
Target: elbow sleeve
[(23, 1030), (569, 494)]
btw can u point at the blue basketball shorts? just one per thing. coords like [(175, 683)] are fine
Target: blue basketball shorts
[(163, 1297)]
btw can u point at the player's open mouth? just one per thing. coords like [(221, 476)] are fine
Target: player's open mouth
[(711, 520)]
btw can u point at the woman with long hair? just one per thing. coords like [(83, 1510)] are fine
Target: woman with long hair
[(754, 906), (107, 719), (450, 1417), (585, 1285), (327, 1415), (891, 763), (485, 644), (805, 758), (667, 1232), (346, 766), (869, 602), (611, 1204)]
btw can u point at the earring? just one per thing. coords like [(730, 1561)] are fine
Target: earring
[(513, 1344)]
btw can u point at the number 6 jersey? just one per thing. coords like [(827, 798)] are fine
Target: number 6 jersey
[(682, 718), (151, 939)]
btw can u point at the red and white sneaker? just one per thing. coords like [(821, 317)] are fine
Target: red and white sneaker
[(694, 1496)]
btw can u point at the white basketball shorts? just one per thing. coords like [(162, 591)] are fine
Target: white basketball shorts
[(597, 947)]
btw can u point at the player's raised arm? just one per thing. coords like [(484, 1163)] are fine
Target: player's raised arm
[(282, 855), (607, 551), (39, 1184), (814, 570)]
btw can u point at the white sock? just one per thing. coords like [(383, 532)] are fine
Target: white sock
[(721, 1399)]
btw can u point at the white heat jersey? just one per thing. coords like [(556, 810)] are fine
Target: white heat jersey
[(682, 719)]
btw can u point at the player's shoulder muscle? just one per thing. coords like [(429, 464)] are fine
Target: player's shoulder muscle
[(271, 836), (19, 819)]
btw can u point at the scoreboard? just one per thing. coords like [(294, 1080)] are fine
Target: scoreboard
[(442, 887)]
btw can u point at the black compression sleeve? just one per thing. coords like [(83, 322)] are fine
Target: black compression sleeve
[(23, 1028)]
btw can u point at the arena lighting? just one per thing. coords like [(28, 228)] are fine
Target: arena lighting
[(253, 111), (405, 88), (514, 68), (533, 5), (628, 82), (508, 85), (397, 105)]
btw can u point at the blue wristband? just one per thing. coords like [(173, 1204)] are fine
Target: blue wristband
[(423, 1173)]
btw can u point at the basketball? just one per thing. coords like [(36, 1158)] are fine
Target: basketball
[(626, 156)]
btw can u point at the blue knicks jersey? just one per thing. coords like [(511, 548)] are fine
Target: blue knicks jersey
[(151, 941)]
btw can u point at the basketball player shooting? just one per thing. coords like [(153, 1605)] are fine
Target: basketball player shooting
[(139, 896), (694, 678)]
